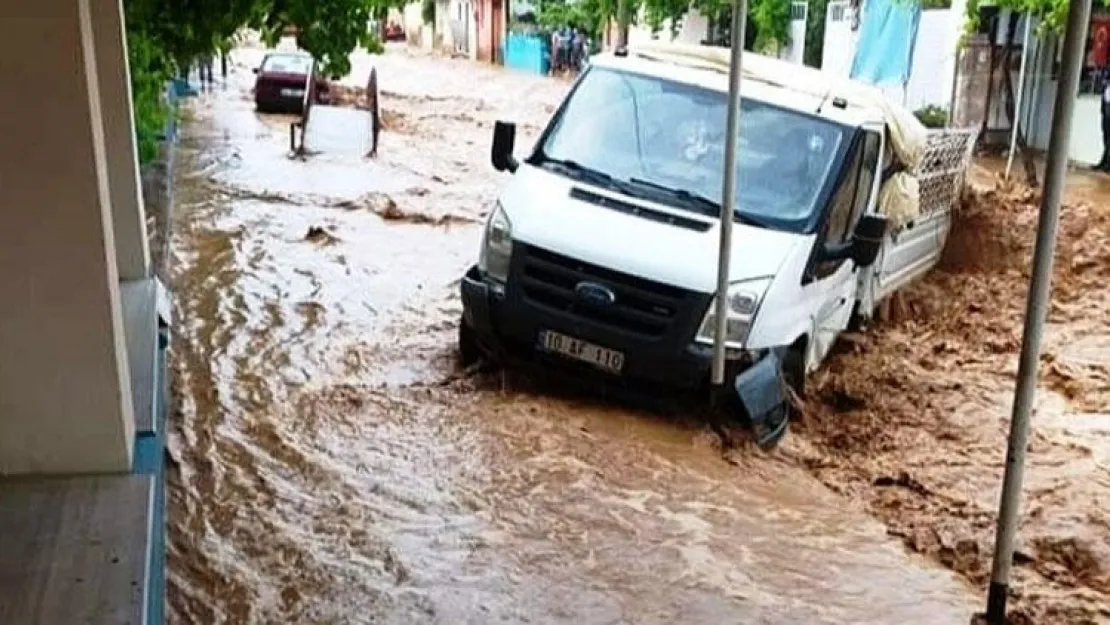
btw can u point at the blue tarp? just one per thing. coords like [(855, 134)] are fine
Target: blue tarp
[(888, 31)]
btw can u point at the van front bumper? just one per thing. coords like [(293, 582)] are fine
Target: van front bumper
[(506, 327)]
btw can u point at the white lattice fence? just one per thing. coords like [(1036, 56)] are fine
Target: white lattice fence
[(944, 167)]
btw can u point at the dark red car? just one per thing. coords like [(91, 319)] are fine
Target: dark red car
[(394, 32), (281, 82)]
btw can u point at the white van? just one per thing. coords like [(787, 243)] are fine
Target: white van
[(601, 252)]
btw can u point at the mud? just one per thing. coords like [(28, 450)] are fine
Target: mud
[(333, 464), (911, 418)]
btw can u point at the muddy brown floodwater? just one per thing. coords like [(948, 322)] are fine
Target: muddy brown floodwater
[(332, 464), (911, 419)]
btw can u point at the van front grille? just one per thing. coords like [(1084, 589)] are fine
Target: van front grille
[(643, 307)]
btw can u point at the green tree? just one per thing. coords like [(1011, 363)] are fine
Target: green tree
[(588, 16), (768, 27), (1053, 14)]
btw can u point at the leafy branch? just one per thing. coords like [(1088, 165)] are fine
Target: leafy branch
[(1053, 14)]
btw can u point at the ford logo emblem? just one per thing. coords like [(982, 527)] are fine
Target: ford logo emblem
[(595, 294)]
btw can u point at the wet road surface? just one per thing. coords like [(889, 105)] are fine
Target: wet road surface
[(334, 465)]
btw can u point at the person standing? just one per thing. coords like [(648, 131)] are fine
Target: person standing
[(576, 50), (556, 49), (565, 42), (205, 70)]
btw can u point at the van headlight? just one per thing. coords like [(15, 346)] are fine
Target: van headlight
[(497, 247), (743, 302)]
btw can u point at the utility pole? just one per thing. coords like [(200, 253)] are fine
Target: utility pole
[(728, 190), (1040, 289)]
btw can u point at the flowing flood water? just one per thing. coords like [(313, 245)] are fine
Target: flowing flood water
[(333, 465)]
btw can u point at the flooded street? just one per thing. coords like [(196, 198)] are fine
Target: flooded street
[(333, 464)]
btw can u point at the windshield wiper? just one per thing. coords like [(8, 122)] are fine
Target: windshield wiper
[(578, 169), (706, 206), (695, 200)]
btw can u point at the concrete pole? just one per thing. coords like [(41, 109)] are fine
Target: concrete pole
[(1056, 163), (728, 190), (1020, 94), (125, 194), (65, 386)]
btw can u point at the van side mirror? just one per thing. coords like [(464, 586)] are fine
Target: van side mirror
[(255, 70), (867, 240), (504, 140)]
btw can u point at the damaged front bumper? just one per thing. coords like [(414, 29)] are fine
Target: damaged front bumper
[(764, 396), (504, 327)]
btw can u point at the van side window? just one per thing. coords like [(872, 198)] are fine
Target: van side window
[(838, 228), (872, 143)]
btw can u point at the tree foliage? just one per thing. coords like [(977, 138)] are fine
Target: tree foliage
[(1053, 14), (768, 27), (768, 20), (588, 16)]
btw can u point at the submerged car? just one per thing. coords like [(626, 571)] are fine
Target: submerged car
[(282, 80)]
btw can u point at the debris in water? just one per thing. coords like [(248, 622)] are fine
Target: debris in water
[(320, 236), (383, 205)]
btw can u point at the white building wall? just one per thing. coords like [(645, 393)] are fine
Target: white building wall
[(796, 49), (934, 55), (934, 58), (1085, 144), (840, 40), (65, 389)]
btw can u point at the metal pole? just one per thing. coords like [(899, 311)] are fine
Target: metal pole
[(1040, 285), (728, 191), (1034, 101), (1020, 94)]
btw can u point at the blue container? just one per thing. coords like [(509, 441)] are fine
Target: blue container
[(182, 88), (527, 52)]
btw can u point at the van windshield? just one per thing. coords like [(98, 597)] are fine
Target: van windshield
[(665, 140)]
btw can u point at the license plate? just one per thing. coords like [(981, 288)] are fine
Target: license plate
[(606, 359), (292, 93)]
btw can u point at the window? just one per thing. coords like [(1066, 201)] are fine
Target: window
[(872, 142), (854, 191), (843, 204)]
